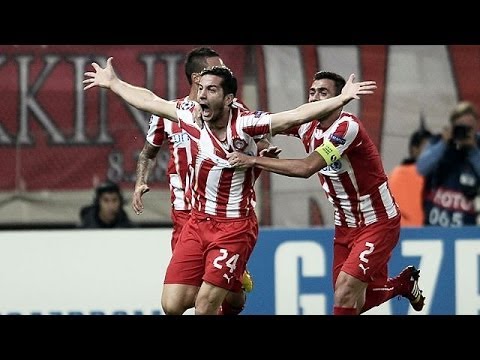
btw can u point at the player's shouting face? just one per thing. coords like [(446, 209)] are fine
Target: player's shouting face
[(212, 99)]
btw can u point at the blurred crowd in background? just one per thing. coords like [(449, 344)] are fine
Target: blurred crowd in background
[(62, 146)]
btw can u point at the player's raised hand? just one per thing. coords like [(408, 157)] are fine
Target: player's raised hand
[(272, 152), (353, 90), (103, 77)]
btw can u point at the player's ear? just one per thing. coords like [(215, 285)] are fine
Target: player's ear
[(229, 99), (195, 78)]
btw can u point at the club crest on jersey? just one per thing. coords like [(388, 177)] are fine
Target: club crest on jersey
[(258, 113), (239, 144), (336, 140), (185, 105)]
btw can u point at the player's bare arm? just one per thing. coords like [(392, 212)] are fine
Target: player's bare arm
[(141, 98), (145, 163), (302, 168), (314, 110)]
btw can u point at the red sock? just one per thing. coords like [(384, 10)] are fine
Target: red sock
[(337, 310), (377, 294)]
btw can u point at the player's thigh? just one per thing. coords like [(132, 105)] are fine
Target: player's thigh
[(186, 265), (179, 219), (176, 298), (372, 249), (230, 248)]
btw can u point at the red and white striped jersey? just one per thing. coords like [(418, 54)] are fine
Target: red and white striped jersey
[(179, 155), (356, 185), (217, 188)]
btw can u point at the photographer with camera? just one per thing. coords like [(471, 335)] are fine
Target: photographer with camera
[(451, 167)]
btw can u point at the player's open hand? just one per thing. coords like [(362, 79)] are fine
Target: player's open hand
[(353, 90), (103, 77), (272, 152)]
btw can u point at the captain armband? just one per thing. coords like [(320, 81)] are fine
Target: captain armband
[(328, 152)]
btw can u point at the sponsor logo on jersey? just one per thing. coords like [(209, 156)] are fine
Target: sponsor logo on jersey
[(335, 167)]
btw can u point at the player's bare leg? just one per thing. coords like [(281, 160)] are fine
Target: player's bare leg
[(234, 302), (177, 298), (209, 299)]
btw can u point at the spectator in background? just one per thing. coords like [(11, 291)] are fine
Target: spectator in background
[(406, 183), (107, 211), (451, 167)]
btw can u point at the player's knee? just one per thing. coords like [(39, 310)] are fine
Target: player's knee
[(345, 296), (347, 290), (204, 306), (172, 308)]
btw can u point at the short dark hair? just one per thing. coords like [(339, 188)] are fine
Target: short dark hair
[(336, 78), (463, 108), (196, 61), (107, 186), (229, 82)]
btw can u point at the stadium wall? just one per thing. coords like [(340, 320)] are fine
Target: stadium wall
[(58, 142), (121, 271)]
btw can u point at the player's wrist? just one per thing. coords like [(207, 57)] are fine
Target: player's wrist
[(345, 99), (114, 84)]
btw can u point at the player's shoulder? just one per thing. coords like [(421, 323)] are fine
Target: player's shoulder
[(351, 123), (239, 104), (155, 119), (185, 104), (348, 116), (252, 113), (180, 103)]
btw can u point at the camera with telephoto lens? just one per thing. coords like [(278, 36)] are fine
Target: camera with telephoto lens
[(460, 132)]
